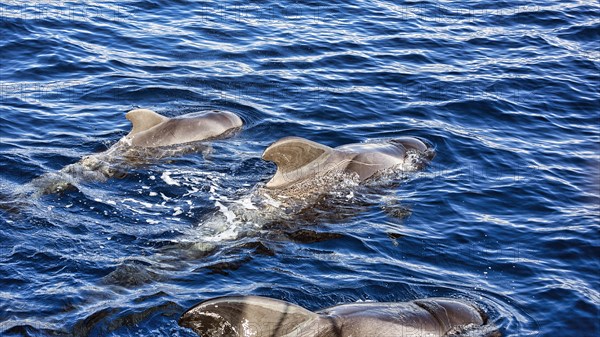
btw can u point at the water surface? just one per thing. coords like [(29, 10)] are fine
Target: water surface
[(505, 216)]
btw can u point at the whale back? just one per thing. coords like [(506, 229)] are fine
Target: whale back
[(296, 159), (204, 125), (143, 119), (246, 316)]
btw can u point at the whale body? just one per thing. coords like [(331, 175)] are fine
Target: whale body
[(153, 136), (298, 159), (247, 316), (151, 129)]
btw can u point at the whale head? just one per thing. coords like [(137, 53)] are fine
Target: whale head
[(452, 314), (416, 150), (415, 153)]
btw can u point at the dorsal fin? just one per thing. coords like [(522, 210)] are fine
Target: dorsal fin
[(143, 119), (246, 316), (290, 154)]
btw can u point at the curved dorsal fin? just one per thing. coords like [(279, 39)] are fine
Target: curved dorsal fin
[(246, 316), (143, 119), (290, 154)]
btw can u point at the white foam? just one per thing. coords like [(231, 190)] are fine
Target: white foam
[(178, 211), (271, 202), (229, 215), (247, 203), (167, 179), (248, 329), (230, 233), (191, 191), (145, 204)]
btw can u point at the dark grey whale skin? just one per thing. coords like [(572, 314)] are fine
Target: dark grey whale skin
[(246, 316)]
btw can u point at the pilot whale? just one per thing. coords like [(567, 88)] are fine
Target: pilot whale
[(245, 316), (298, 159), (152, 136), (151, 129), (311, 178)]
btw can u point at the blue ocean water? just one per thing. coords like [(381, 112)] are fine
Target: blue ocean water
[(506, 215)]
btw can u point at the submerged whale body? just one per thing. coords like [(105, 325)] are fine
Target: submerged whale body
[(153, 136), (246, 316), (299, 159)]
